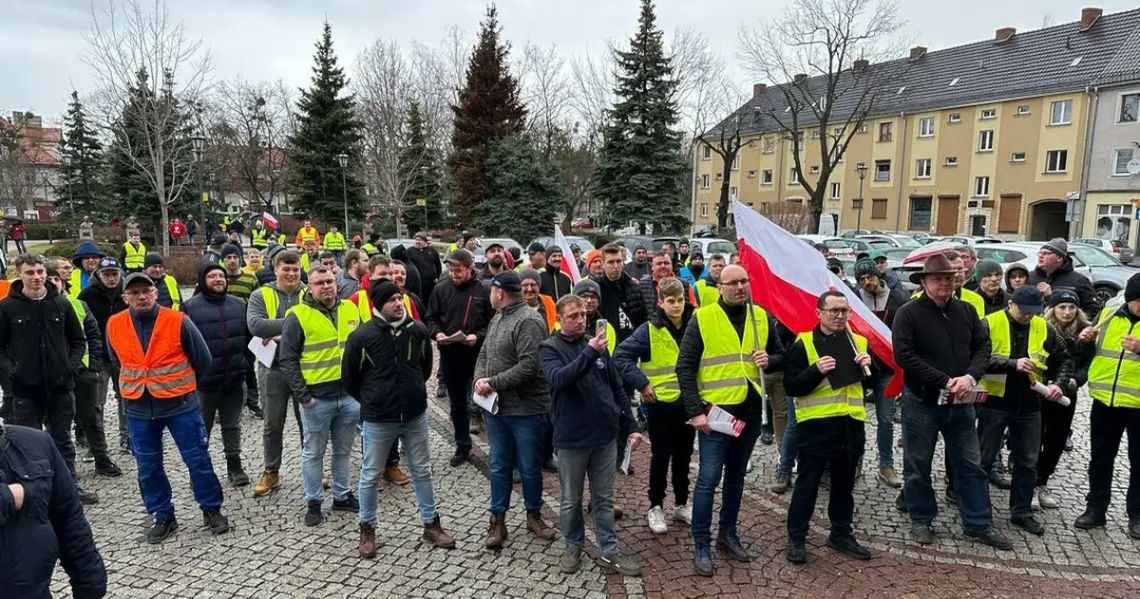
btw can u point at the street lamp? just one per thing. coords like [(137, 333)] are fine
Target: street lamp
[(342, 160), (199, 145), (860, 168)]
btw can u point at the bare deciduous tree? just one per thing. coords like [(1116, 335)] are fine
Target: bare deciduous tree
[(439, 74), (544, 87), (592, 93), (250, 128), (126, 39), (19, 158), (833, 62), (794, 217)]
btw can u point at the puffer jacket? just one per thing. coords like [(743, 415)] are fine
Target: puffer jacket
[(1065, 276), (509, 358), (221, 320), (385, 367), (41, 343), (622, 305)]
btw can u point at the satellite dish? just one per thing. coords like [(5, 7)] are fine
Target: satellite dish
[(1134, 166)]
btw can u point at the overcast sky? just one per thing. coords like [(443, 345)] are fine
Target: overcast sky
[(42, 41)]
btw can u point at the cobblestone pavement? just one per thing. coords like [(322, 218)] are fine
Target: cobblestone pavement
[(270, 553)]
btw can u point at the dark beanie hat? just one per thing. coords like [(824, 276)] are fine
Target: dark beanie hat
[(588, 286), (1132, 290), (153, 259), (987, 267), (866, 267), (230, 248), (381, 291), (1064, 295)]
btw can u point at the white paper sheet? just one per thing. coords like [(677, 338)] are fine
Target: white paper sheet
[(487, 402), (263, 353)]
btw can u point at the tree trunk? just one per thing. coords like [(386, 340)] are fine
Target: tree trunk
[(722, 205), (816, 209)]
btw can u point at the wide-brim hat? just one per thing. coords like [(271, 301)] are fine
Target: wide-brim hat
[(934, 265)]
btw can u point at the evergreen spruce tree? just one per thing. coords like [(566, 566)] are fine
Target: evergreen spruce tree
[(421, 166), (326, 126), (81, 175), (131, 191), (640, 170), (489, 110), (523, 191)]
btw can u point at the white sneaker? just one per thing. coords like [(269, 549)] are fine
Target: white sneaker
[(748, 466), (1035, 503), (657, 520), (683, 513), (1046, 497)]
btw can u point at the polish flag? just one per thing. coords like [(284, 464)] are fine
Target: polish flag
[(569, 266), (787, 277), (269, 220)]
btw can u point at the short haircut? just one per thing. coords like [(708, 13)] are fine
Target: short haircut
[(287, 257), (550, 251), (399, 263), (966, 249), (826, 294), (252, 250), (661, 254), (328, 255), (670, 287), (717, 257), (377, 260), (58, 262), (952, 255), (612, 248), (30, 260), (353, 256), (733, 255), (821, 247), (567, 300), (319, 269)]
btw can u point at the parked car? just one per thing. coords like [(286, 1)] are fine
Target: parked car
[(709, 246), (971, 240), (886, 240), (837, 245), (1024, 253), (924, 238), (581, 241), (389, 244), (1108, 275), (1115, 247)]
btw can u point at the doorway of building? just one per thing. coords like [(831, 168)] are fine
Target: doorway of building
[(1047, 220), (978, 225)]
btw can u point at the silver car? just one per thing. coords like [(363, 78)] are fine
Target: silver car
[(1107, 274), (1115, 247)]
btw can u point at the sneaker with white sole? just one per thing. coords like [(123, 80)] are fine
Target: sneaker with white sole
[(683, 513), (657, 520), (1035, 503), (1046, 498)]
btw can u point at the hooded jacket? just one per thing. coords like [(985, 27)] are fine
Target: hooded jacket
[(102, 302), (1065, 276), (41, 343), (86, 249), (220, 319), (414, 281), (385, 367)]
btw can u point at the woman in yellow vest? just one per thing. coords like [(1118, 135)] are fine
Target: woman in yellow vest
[(829, 423), (1114, 384), (647, 360)]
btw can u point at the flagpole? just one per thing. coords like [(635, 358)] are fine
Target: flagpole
[(755, 348)]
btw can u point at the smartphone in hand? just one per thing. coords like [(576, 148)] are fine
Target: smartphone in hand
[(600, 327)]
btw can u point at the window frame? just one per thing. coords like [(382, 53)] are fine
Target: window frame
[(987, 114), (704, 212), (836, 191), (766, 177), (886, 133), (926, 127), (705, 180), (1022, 110), (706, 152), (978, 184), (1068, 118), (986, 135), (1135, 110), (954, 118), (919, 171), (1116, 161), (879, 164), (879, 204), (1056, 161), (1013, 157), (950, 161)]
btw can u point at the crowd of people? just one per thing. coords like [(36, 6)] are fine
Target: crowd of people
[(549, 370)]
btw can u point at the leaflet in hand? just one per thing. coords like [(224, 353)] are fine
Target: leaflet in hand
[(975, 395), (263, 351), (723, 422), (456, 337), (487, 402), (1044, 391), (636, 439)]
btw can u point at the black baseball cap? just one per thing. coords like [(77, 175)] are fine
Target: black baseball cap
[(137, 277), (536, 247), (507, 281), (1028, 300)]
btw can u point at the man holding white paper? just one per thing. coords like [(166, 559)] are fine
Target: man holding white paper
[(508, 366), (726, 347), (827, 371)]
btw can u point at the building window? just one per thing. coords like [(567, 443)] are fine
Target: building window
[(704, 181), (815, 170), (862, 128), (1120, 160), (951, 161), (704, 210), (882, 170), (955, 117), (1017, 157), (1129, 107), (919, 219), (835, 187), (926, 127), (706, 153), (766, 177), (1061, 112), (1023, 110), (986, 141), (1056, 161), (732, 192), (922, 168), (815, 134), (752, 174), (736, 162), (879, 208), (794, 177), (981, 187), (885, 131), (989, 113)]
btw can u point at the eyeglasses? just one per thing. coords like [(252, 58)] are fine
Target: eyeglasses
[(736, 283), (837, 312)]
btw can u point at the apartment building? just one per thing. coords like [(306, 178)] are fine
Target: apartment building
[(986, 138), (1112, 197)]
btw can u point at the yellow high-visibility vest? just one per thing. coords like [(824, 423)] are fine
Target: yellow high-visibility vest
[(1000, 344), (258, 239), (324, 344), (825, 401), (334, 241), (726, 368), (135, 257), (1114, 375), (81, 314), (662, 364), (707, 293)]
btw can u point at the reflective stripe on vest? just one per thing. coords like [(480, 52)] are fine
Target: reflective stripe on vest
[(662, 365), (321, 355), (164, 369), (706, 292), (81, 314), (135, 258), (1114, 374), (825, 401), (1001, 345), (727, 368), (334, 241)]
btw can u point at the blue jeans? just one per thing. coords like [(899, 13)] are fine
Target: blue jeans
[(189, 434), (335, 419), (574, 465), (375, 439), (884, 415), (730, 454), (921, 424), (515, 440), (788, 444)]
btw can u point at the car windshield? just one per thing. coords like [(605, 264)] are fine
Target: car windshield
[(837, 244), (1001, 255), (719, 247), (907, 242), (897, 253), (1093, 256)]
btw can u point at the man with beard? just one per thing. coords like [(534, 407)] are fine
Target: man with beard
[(495, 262), (622, 303), (104, 297), (351, 278), (427, 261), (555, 283), (576, 251), (988, 274), (640, 266), (695, 269)]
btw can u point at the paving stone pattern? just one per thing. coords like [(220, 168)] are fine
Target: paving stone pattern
[(270, 553)]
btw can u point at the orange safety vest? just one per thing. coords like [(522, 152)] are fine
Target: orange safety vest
[(5, 287), (164, 369), (548, 311)]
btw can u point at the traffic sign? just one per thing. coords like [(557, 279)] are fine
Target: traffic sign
[(421, 202)]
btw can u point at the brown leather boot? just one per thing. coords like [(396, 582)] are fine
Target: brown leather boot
[(367, 547), (496, 532), (434, 534), (536, 525)]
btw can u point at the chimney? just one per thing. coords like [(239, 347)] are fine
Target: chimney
[(758, 88), (917, 52), (1004, 35), (860, 64), (799, 77), (1089, 16)]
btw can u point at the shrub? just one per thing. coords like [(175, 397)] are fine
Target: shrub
[(66, 249), (41, 229), (183, 265)]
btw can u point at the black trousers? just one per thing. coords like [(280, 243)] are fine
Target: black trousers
[(458, 376), (1025, 440), (225, 405), (1106, 426), (835, 443), (252, 393), (671, 440), (1056, 424), (89, 414), (55, 412)]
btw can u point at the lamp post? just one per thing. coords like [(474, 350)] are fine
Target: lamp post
[(860, 168), (342, 160), (199, 143)]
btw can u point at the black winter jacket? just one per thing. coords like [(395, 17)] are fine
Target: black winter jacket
[(934, 344), (221, 320), (621, 304), (103, 302), (49, 527), (555, 283), (589, 406), (41, 343), (414, 281), (1065, 276), (385, 368), (1019, 398), (465, 307)]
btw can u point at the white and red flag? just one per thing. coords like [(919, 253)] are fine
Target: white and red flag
[(569, 266), (787, 277), (269, 220)]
